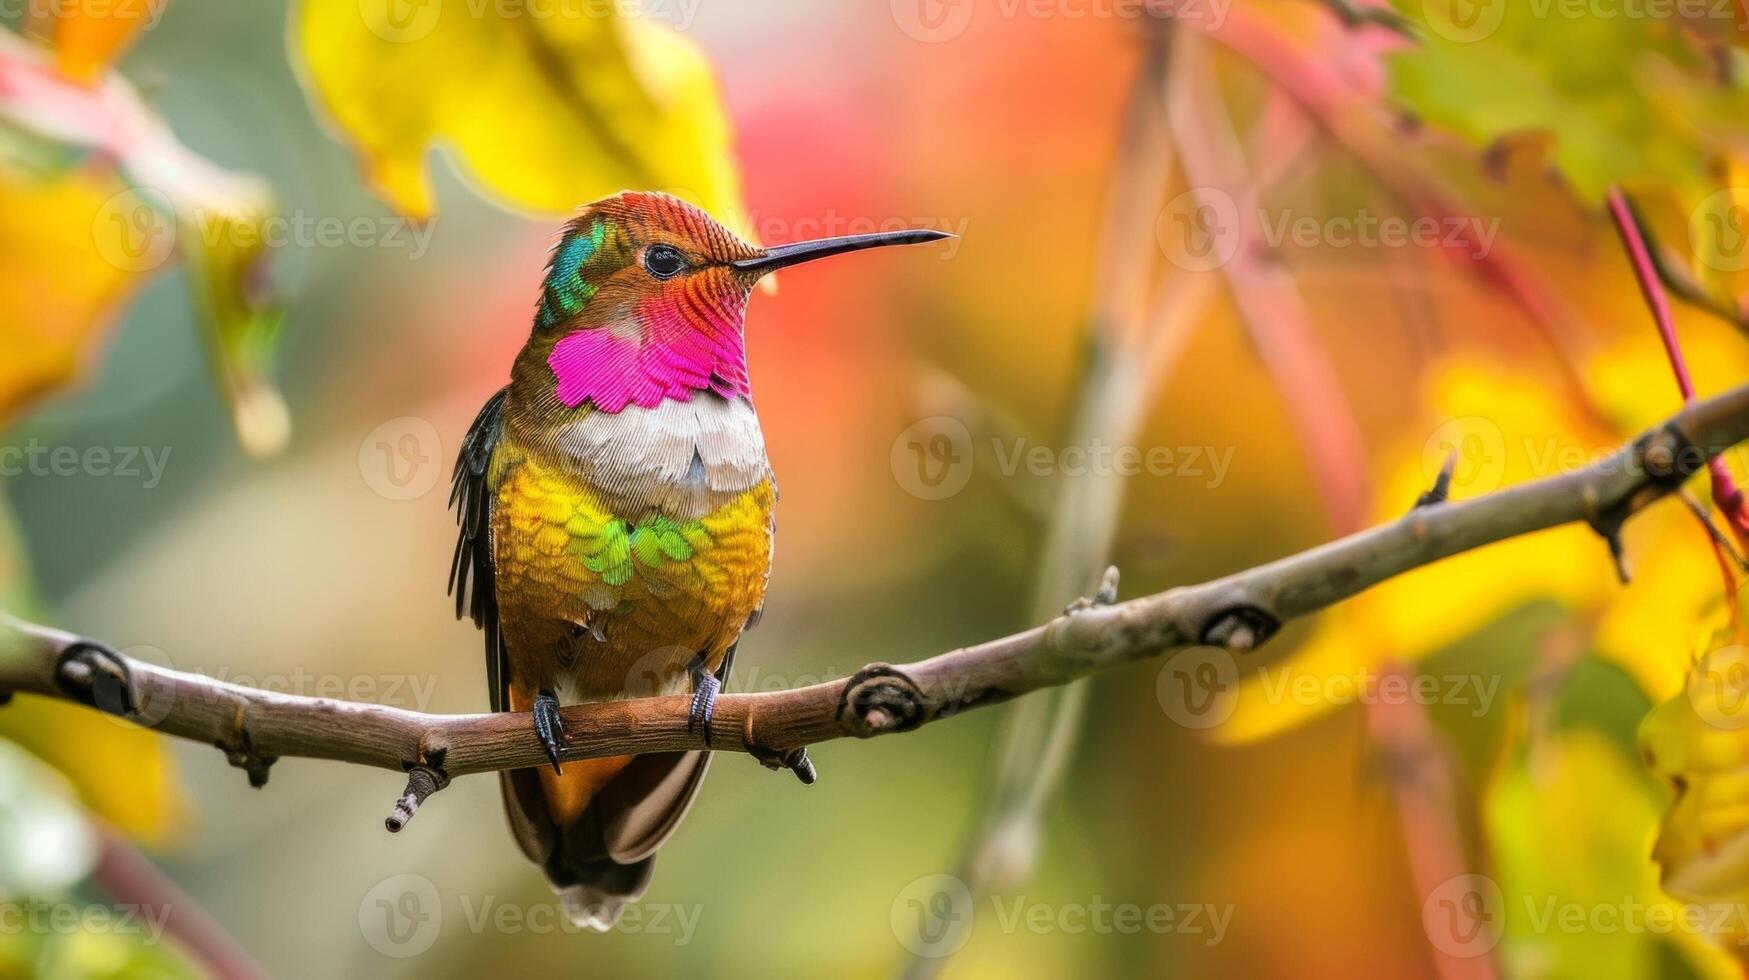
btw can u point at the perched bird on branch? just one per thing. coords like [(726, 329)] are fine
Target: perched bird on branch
[(615, 503)]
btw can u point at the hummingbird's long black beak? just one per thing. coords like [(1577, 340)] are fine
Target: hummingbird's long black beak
[(783, 255)]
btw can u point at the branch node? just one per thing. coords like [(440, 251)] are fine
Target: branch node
[(1618, 554), (1105, 595), (433, 748), (802, 766), (1667, 457), (98, 677), (795, 760), (422, 781), (879, 699), (240, 751), (1240, 629), (1441, 489), (1608, 525)]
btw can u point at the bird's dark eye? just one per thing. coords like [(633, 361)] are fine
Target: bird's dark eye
[(664, 261)]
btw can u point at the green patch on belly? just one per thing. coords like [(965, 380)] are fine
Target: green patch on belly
[(613, 550)]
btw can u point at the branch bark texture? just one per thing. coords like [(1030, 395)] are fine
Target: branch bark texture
[(1240, 612)]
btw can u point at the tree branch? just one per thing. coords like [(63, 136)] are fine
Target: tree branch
[(1240, 612)]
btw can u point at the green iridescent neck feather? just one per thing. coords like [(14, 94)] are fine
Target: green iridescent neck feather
[(568, 287)]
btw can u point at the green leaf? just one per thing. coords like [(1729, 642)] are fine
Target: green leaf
[(1629, 100)]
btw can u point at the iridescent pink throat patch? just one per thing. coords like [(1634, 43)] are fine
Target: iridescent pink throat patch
[(676, 356)]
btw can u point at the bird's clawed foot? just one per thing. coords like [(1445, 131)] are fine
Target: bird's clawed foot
[(705, 686), (549, 725)]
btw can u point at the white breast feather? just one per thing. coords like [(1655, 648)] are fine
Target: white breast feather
[(683, 458)]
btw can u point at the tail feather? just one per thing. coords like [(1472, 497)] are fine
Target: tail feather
[(603, 860), (602, 890)]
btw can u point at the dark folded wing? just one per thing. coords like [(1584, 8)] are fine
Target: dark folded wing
[(470, 571)]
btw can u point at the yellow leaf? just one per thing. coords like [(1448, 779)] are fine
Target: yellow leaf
[(241, 322), (1698, 740), (59, 293), (160, 202), (1508, 427), (89, 37), (1567, 825), (122, 772), (546, 112)]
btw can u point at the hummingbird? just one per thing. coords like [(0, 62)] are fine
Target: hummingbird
[(615, 505)]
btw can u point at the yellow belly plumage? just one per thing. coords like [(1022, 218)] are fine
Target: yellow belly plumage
[(600, 605)]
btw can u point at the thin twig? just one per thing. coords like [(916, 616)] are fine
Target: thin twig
[(255, 726), (1135, 334), (1683, 284), (1726, 495)]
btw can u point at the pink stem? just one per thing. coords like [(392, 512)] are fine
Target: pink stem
[(1268, 300), (130, 878), (1726, 495), (1351, 118), (1423, 778)]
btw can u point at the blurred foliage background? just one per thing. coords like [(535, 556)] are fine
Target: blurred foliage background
[(214, 264)]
